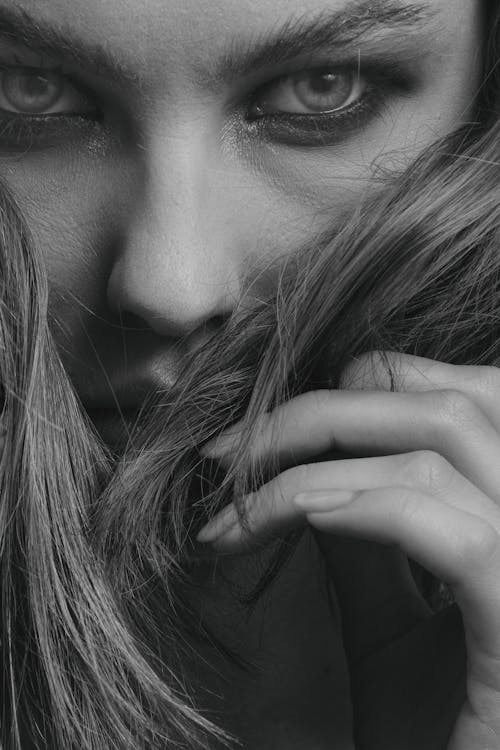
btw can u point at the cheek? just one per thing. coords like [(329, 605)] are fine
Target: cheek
[(315, 187), (292, 195), (332, 180), (75, 217), (70, 209), (300, 192)]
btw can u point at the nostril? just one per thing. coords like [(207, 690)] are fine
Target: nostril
[(205, 332), (218, 321), (131, 322)]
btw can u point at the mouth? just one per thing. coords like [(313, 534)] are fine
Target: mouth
[(114, 410)]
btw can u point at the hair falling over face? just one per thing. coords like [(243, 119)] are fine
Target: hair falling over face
[(93, 559)]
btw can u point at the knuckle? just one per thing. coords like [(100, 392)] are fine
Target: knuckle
[(368, 371), (294, 480), (427, 471), (454, 409), (478, 545), (487, 379), (320, 399), (409, 506), (315, 402)]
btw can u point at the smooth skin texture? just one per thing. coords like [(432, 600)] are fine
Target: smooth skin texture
[(156, 202), (430, 487)]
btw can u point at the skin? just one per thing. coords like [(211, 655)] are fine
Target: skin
[(431, 489), (160, 219), (148, 225)]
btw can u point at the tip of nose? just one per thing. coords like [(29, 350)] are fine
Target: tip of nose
[(191, 334), (173, 296)]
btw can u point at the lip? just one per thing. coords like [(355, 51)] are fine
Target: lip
[(115, 412), (114, 406)]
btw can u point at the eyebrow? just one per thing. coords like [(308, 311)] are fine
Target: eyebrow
[(337, 29), (295, 38), (46, 38)]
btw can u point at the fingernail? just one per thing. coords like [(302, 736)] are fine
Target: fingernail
[(219, 525), (323, 501)]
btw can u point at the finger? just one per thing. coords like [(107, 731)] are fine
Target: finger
[(455, 545), (407, 669), (459, 548), (273, 508), (377, 423), (373, 584), (393, 371), (385, 371), (479, 385)]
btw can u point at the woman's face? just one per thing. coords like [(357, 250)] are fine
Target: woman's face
[(166, 152)]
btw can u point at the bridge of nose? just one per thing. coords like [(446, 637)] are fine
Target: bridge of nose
[(180, 263)]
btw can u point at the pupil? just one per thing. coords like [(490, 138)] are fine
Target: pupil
[(34, 86), (323, 83), (324, 90)]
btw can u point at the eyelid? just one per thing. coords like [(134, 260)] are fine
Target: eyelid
[(392, 70), (384, 78), (389, 73), (70, 79), (266, 93)]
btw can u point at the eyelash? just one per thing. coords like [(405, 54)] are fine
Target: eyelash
[(24, 131), (20, 132), (316, 129), (45, 67), (328, 128)]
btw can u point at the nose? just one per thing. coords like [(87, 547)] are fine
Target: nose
[(177, 268)]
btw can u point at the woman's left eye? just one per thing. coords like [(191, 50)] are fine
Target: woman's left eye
[(37, 92), (310, 92)]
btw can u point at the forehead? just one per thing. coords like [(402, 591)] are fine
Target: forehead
[(160, 37)]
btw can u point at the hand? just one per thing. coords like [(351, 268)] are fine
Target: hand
[(430, 489)]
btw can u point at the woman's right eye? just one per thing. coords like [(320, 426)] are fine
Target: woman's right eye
[(39, 92)]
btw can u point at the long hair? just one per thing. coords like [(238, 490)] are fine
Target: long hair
[(96, 547)]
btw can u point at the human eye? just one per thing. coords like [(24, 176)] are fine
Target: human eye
[(37, 103), (321, 105)]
